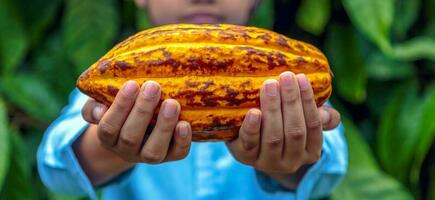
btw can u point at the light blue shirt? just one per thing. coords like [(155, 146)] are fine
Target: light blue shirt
[(208, 172)]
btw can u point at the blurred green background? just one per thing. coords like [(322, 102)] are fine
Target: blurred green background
[(382, 53)]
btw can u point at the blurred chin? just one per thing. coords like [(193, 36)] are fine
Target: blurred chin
[(202, 19)]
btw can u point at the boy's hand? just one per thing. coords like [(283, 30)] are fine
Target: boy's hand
[(122, 126), (291, 129)]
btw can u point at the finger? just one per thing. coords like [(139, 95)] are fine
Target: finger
[(134, 128), (293, 114), (272, 138), (156, 147), (245, 147), (181, 142), (312, 119), (330, 117), (112, 121), (92, 111)]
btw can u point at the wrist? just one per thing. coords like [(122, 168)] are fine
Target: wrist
[(99, 164)]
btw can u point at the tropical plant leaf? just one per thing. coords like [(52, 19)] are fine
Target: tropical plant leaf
[(32, 95), (364, 179), (425, 131), (373, 18), (89, 30), (406, 13), (46, 11), (4, 143), (52, 59), (18, 184), (381, 67), (417, 48), (394, 138), (345, 56), (13, 43), (313, 15), (404, 134)]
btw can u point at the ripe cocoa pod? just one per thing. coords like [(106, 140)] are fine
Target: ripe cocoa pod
[(214, 71)]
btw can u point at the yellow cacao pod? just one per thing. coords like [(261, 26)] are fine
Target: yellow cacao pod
[(214, 71)]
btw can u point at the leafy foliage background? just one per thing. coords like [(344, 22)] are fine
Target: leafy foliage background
[(382, 54)]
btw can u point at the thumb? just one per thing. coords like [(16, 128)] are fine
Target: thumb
[(330, 117), (93, 111)]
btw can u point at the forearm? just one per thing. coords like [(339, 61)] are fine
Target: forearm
[(99, 164)]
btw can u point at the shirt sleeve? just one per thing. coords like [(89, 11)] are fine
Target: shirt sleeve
[(58, 166), (322, 177)]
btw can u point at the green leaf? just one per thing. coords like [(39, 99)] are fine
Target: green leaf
[(345, 56), (429, 11), (18, 184), (381, 67), (417, 48), (52, 59), (32, 95), (396, 132), (313, 15), (89, 29), (364, 180), (406, 13), (425, 131), (264, 15), (407, 129), (373, 18), (4, 143), (45, 11), (13, 43)]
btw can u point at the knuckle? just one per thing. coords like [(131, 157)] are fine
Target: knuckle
[(273, 108), (251, 130), (143, 110), (166, 127), (128, 141), (308, 96), (151, 157), (274, 142), (291, 99), (296, 133), (123, 103), (107, 130), (123, 106), (249, 145)]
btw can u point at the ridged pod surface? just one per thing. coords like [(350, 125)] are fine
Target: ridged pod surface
[(214, 71)]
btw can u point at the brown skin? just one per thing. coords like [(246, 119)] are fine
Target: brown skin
[(283, 145)]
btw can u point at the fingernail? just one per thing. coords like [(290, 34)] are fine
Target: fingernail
[(325, 116), (287, 79), (129, 88), (271, 88), (303, 82), (254, 117), (169, 109), (183, 130), (97, 112), (151, 89)]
